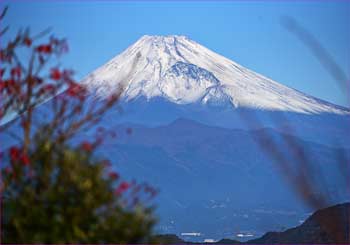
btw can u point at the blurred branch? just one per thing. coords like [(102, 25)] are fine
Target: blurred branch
[(3, 12), (321, 54)]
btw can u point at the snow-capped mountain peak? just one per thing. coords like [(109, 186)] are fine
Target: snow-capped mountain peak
[(183, 71)]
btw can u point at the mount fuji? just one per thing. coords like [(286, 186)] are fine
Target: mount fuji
[(182, 71), (196, 116), (165, 78)]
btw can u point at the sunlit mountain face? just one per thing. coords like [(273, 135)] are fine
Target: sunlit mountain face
[(184, 72)]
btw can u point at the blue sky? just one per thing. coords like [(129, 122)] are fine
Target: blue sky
[(249, 33)]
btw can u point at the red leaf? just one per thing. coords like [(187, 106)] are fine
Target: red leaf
[(76, 90), (55, 74), (10, 86), (49, 88), (27, 41), (124, 186), (16, 72), (2, 85), (10, 82), (25, 160), (86, 146), (15, 153), (113, 175), (44, 48)]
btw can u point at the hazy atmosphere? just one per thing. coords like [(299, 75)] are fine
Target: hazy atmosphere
[(174, 122)]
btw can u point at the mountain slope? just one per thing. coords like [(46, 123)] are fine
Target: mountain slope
[(183, 72), (328, 225), (214, 180)]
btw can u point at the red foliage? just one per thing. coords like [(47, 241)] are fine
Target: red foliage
[(44, 48), (55, 74), (16, 72), (25, 159), (76, 90), (47, 89), (124, 186), (2, 85), (15, 153), (113, 175), (25, 87), (9, 85), (27, 41), (87, 146)]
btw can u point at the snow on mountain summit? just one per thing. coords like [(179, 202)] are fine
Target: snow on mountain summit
[(183, 71)]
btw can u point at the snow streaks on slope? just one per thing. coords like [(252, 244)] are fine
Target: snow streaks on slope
[(184, 72)]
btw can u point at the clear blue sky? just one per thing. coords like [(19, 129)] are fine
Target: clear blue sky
[(249, 33)]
